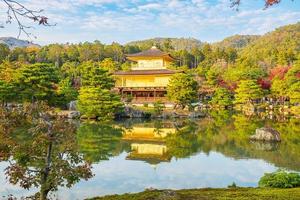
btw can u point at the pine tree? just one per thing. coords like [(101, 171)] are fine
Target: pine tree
[(95, 96), (66, 93), (182, 89), (92, 74), (278, 88), (247, 91), (221, 97), (37, 81), (292, 82), (98, 102)]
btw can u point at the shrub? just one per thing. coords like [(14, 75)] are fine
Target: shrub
[(280, 179), (158, 107)]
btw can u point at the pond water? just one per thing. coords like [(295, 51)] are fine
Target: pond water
[(132, 155)]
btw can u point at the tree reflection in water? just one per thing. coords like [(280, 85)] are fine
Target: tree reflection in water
[(99, 141), (229, 134), (50, 153)]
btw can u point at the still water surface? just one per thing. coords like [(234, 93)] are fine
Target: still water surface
[(132, 155)]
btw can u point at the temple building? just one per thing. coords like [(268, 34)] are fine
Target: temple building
[(148, 78)]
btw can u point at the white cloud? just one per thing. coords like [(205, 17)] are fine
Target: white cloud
[(121, 20)]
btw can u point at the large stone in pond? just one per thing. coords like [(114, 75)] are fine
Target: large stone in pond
[(266, 134)]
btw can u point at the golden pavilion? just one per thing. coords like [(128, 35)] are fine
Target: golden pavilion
[(148, 78)]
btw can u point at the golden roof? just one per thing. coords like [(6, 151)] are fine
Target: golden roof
[(154, 52)]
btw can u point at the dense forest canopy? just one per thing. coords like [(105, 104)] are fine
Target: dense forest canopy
[(236, 41), (56, 72)]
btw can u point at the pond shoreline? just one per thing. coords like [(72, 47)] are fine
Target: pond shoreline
[(211, 194), (167, 113)]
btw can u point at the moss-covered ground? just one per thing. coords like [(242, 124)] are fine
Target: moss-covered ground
[(211, 194)]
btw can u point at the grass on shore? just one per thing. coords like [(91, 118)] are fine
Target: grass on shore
[(211, 194)]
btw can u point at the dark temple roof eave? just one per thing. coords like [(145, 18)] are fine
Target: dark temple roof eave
[(147, 72), (153, 52)]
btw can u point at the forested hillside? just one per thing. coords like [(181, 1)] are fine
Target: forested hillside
[(279, 47), (168, 43), (236, 41)]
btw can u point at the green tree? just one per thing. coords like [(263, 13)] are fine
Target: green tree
[(182, 89), (66, 92), (95, 96), (37, 81), (292, 82), (212, 76), (221, 97), (109, 65), (4, 52), (247, 91), (98, 102), (294, 93), (7, 92), (8, 88), (72, 53), (126, 66), (92, 74), (278, 88)]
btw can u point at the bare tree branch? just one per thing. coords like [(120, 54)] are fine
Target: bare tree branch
[(16, 11), (268, 3)]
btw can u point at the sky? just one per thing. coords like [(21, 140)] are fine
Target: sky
[(128, 20)]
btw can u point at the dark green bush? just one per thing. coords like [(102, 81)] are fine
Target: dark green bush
[(280, 179)]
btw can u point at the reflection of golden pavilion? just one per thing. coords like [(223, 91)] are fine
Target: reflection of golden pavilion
[(147, 133), (148, 144)]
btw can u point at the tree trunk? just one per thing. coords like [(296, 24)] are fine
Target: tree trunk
[(45, 186)]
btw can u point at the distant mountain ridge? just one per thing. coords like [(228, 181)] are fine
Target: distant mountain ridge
[(176, 43), (235, 41), (12, 42)]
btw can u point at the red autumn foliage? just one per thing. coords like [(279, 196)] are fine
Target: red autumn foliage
[(279, 72), (271, 2), (229, 86), (264, 83)]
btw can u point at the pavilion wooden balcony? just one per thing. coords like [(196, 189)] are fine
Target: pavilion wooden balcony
[(150, 100)]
